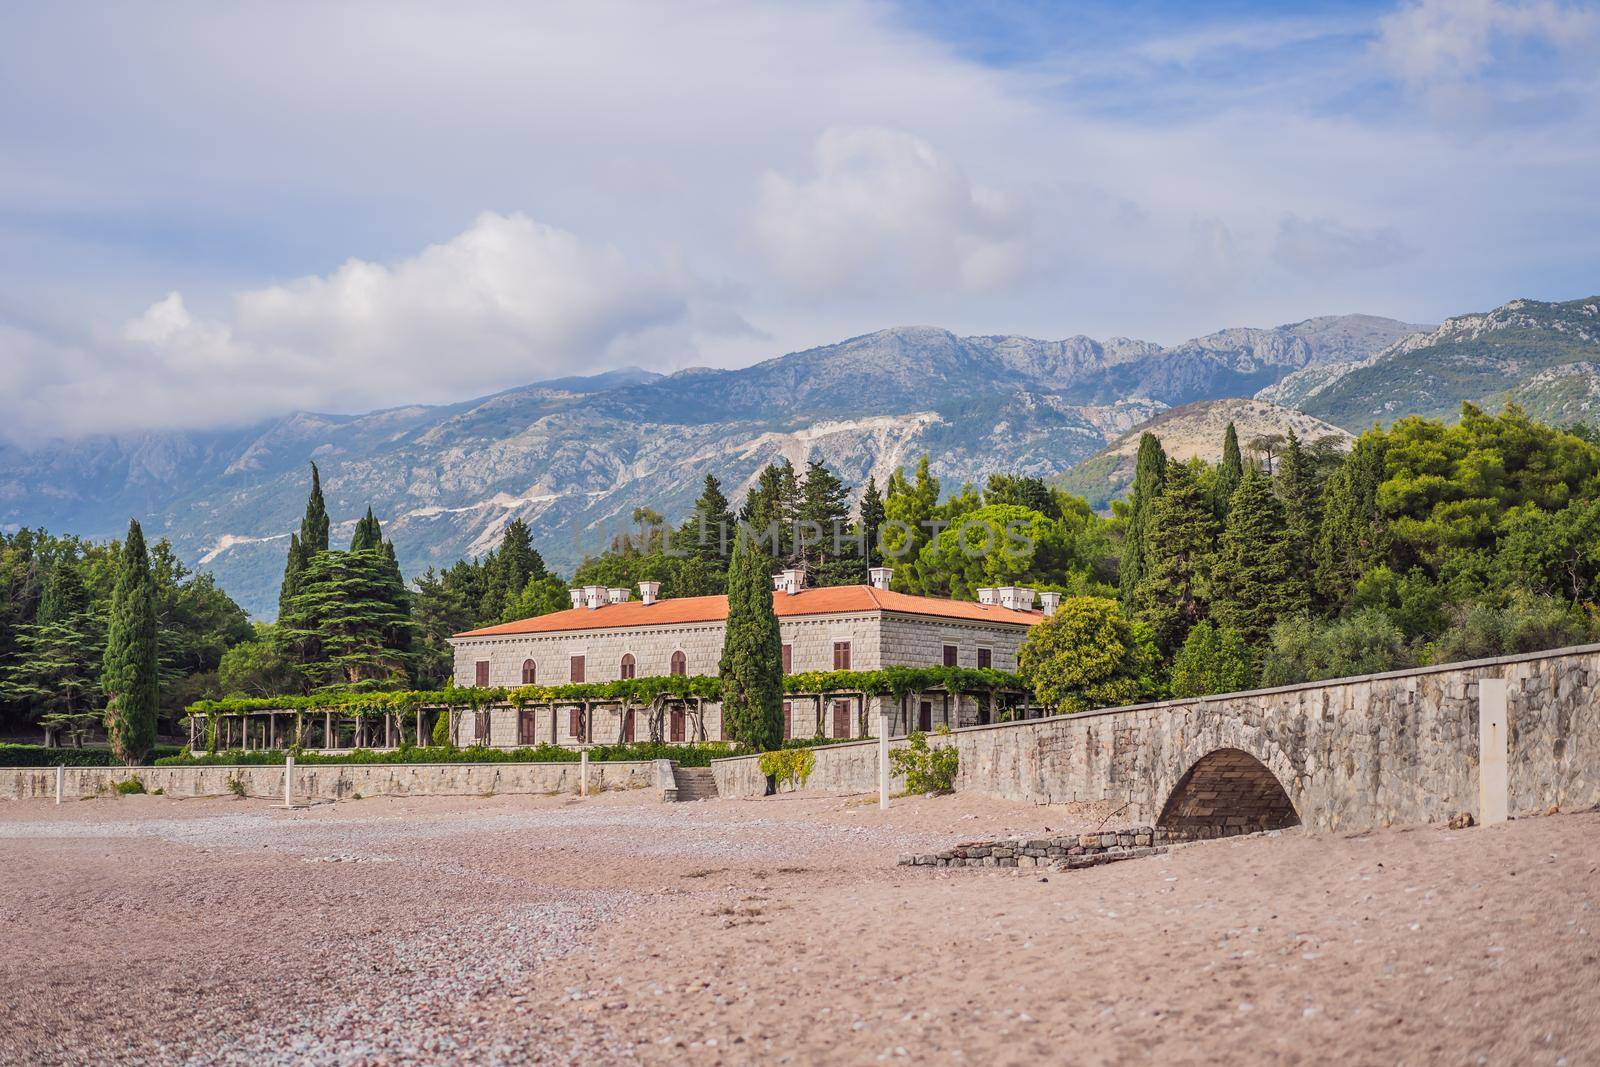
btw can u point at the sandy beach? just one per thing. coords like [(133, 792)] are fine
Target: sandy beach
[(618, 929)]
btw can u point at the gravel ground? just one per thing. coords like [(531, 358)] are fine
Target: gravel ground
[(617, 929)]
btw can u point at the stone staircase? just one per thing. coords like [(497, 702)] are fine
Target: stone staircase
[(695, 783)]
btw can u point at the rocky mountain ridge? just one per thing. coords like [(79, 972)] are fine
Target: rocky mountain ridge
[(574, 457)]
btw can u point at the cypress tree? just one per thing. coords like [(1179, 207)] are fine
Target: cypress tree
[(314, 527), (1148, 478), (871, 519), (1353, 537), (1180, 542), (1257, 581), (1229, 472), (752, 653), (131, 671), (1302, 507)]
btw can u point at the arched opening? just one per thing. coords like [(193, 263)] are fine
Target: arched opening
[(530, 672), (626, 668), (680, 664), (1227, 792)]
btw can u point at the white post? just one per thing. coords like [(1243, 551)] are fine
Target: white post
[(1493, 784), (288, 781), (883, 761), (583, 773), (61, 780)]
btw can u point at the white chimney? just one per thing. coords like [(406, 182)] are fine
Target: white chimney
[(648, 591), (1049, 602), (986, 596), (879, 576), (576, 594), (1015, 597), (790, 580), (616, 596), (594, 596)]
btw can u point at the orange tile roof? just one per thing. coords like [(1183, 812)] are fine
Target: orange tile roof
[(830, 600)]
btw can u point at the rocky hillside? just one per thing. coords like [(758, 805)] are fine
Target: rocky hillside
[(574, 457), (1485, 358), (1187, 432)]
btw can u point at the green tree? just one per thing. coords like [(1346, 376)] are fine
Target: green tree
[(1002, 544), (871, 521), (752, 653), (1024, 492), (910, 507), (1084, 656), (1354, 535), (770, 508), (1305, 650), (1257, 580), (260, 667), (543, 594), (131, 671), (706, 534), (1213, 660), (823, 542), (1149, 477), (507, 572), (1229, 472), (1180, 543), (55, 671), (1300, 490), (312, 538)]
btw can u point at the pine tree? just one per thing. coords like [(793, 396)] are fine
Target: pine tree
[(871, 519), (312, 538), (910, 506), (1257, 582), (57, 661), (769, 510), (508, 569), (752, 652), (1353, 537), (706, 534), (1302, 507), (131, 671), (1149, 476), (1180, 542), (823, 545), (1229, 472)]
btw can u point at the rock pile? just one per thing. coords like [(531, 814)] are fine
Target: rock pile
[(1062, 853)]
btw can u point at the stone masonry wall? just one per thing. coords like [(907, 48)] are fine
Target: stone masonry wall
[(332, 782), (1350, 754)]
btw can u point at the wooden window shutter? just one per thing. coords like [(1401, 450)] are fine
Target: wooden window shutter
[(788, 659), (577, 668), (951, 655), (985, 657), (841, 655), (482, 678)]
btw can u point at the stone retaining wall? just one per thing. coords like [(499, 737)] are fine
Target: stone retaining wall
[(336, 781), (1067, 852), (1349, 754)]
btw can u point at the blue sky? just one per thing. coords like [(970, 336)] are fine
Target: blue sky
[(211, 214)]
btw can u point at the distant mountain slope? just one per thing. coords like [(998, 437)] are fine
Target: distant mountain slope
[(573, 457), (1478, 357), (1192, 430)]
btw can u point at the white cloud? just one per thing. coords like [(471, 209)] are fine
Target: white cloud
[(885, 211), (507, 301), (1432, 42), (1324, 248)]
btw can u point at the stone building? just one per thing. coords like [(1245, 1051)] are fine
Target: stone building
[(605, 636)]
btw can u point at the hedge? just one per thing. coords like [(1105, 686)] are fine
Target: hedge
[(684, 755), (40, 756)]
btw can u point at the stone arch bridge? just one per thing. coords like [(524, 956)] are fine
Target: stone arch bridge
[(1348, 754)]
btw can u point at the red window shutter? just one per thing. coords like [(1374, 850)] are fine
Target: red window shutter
[(788, 659), (530, 672), (575, 722), (841, 655), (985, 657), (677, 725), (841, 718), (577, 668), (626, 670), (950, 655), (627, 726), (680, 664), (788, 716), (925, 716), (481, 678)]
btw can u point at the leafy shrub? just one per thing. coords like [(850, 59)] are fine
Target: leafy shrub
[(791, 765), (927, 769), (1526, 624), (1086, 655), (39, 756), (130, 785), (1304, 650), (1211, 661), (684, 755), (441, 731), (236, 785)]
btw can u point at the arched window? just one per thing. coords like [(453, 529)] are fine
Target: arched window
[(680, 664), (626, 670), (530, 672)]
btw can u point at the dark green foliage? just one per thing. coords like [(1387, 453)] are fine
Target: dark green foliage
[(1087, 655), (507, 572), (909, 505), (1180, 544), (1299, 487), (1309, 650), (871, 518), (1214, 660), (770, 509), (41, 756), (1030, 493), (1355, 533), (1229, 473), (56, 664), (699, 755), (1527, 623), (752, 655), (352, 616), (824, 543), (130, 675), (314, 528), (260, 667), (1149, 477), (707, 533), (1257, 579)]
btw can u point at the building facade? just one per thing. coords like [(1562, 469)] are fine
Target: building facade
[(605, 636)]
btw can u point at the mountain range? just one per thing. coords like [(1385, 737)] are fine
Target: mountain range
[(575, 456)]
